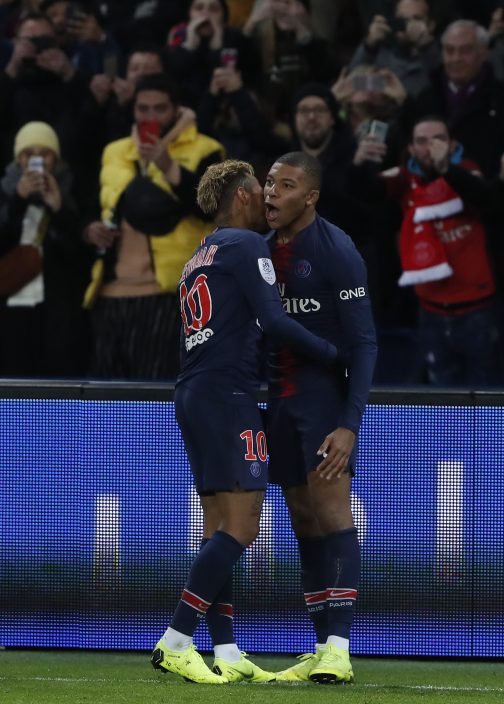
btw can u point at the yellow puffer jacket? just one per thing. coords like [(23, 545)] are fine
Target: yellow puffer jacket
[(171, 251)]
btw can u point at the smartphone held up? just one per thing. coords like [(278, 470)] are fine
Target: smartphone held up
[(378, 131), (229, 57), (36, 164), (148, 132)]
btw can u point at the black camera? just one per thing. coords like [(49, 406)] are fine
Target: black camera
[(43, 42)]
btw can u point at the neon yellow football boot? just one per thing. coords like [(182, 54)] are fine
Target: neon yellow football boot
[(187, 663), (300, 671), (242, 670), (334, 667)]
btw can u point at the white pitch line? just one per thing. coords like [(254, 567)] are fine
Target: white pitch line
[(421, 687)]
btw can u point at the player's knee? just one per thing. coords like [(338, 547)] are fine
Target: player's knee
[(244, 531), (303, 519), (251, 532), (333, 519)]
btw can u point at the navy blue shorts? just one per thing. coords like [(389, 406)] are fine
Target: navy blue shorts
[(296, 427), (224, 440)]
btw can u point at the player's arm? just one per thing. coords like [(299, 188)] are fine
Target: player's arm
[(349, 282), (256, 277)]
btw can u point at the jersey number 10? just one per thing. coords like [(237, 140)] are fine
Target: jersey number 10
[(260, 445), (195, 305)]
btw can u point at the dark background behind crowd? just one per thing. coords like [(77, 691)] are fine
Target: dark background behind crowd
[(110, 112)]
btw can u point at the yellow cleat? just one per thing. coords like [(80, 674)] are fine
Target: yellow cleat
[(334, 667), (241, 670), (187, 663), (301, 671)]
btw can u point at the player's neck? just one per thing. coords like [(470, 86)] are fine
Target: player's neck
[(287, 233), (234, 220)]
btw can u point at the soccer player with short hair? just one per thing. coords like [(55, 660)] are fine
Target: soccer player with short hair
[(228, 299), (314, 414)]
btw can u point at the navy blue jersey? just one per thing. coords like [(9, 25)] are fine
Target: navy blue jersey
[(228, 298), (323, 285)]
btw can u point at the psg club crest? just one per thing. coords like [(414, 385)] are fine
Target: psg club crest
[(302, 268), (255, 469)]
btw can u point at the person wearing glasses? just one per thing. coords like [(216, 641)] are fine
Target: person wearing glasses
[(320, 132)]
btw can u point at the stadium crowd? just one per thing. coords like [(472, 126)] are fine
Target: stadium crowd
[(111, 111)]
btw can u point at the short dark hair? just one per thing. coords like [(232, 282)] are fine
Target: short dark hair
[(223, 4), (146, 48), (432, 118), (309, 164), (88, 7), (319, 90), (149, 48), (159, 82)]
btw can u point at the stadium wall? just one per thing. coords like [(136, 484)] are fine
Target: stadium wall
[(99, 523)]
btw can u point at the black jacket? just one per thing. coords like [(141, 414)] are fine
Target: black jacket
[(479, 127)]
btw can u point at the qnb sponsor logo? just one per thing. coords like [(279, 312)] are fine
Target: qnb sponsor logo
[(348, 294), (198, 338)]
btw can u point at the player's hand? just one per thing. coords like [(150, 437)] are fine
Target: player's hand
[(335, 451)]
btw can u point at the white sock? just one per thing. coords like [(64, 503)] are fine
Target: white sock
[(342, 643), (175, 640), (227, 651)]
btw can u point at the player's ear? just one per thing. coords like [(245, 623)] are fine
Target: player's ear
[(312, 198), (242, 194)]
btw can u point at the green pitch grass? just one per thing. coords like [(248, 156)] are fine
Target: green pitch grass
[(82, 677)]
